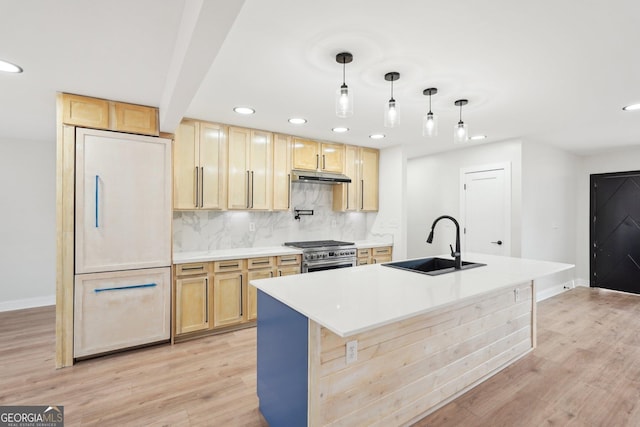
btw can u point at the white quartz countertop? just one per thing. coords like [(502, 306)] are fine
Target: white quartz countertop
[(239, 253), (353, 300)]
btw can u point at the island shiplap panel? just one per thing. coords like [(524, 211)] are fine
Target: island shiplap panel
[(404, 370)]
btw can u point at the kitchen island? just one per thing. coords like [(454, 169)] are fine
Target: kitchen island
[(374, 345)]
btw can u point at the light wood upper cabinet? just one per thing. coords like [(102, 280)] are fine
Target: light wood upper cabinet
[(369, 160), (345, 196), (99, 113), (306, 154), (135, 118), (281, 172), (317, 156), (332, 157), (250, 179), (199, 166), (84, 111)]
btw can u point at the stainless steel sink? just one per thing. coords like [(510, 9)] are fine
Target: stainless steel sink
[(431, 266)]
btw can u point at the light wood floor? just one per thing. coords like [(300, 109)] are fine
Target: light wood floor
[(585, 372)]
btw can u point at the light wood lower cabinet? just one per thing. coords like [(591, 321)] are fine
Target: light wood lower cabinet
[(212, 297), (374, 255), (192, 304), (228, 298), (252, 294)]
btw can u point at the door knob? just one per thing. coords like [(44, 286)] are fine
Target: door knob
[(499, 242)]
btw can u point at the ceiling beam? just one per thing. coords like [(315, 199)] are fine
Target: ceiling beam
[(203, 30)]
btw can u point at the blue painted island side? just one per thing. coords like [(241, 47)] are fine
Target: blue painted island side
[(282, 363)]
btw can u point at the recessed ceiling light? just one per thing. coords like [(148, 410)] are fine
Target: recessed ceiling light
[(631, 107), (340, 129), (9, 67), (477, 137), (377, 136), (244, 110), (297, 120)]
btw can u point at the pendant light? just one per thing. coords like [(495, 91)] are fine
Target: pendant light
[(391, 112), (461, 130), (430, 120), (344, 97)]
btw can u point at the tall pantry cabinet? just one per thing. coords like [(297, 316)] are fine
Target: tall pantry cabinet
[(113, 194)]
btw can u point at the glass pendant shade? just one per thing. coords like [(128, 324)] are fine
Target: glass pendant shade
[(344, 102), (430, 125), (460, 132), (391, 114)]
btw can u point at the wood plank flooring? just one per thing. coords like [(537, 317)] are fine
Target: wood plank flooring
[(585, 372)]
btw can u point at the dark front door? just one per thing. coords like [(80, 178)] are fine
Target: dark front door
[(615, 231)]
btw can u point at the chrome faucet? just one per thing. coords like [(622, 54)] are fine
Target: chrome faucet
[(455, 254)]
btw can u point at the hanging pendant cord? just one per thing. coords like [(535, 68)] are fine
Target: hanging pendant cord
[(429, 101), (343, 75), (460, 111), (391, 87)]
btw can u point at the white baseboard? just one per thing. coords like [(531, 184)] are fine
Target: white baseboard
[(582, 282), (554, 290), (20, 304)]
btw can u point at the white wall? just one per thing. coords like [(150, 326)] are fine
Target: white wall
[(433, 189), (28, 224), (617, 161), (391, 221), (549, 199)]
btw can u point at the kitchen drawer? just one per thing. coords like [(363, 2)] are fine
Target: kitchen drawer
[(362, 261), (289, 259), (192, 269), (117, 310), (381, 251), (363, 253), (262, 262), (228, 265)]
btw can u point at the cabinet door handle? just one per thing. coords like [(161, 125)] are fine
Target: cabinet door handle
[(192, 268), (279, 272), (324, 162), (197, 192), (241, 311), (288, 190), (97, 200), (317, 161), (271, 273), (248, 190), (123, 288), (252, 189), (362, 194), (201, 187), (206, 299), (347, 184)]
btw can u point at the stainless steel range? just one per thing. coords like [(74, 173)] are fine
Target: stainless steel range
[(322, 255)]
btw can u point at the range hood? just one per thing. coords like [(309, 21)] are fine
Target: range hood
[(319, 177)]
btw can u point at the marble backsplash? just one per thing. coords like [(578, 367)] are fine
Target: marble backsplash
[(213, 230)]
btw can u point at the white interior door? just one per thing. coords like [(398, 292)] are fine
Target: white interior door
[(486, 202), (123, 201)]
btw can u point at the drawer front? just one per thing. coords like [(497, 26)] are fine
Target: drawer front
[(289, 259), (362, 261), (192, 269), (263, 262), (380, 259), (117, 310), (362, 253), (229, 265), (381, 251), (288, 270)]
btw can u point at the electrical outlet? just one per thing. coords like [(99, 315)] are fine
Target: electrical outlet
[(252, 226), (516, 294), (352, 351)]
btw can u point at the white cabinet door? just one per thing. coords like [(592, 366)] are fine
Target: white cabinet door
[(121, 309), (123, 201)]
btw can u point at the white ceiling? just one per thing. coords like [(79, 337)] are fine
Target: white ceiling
[(553, 72)]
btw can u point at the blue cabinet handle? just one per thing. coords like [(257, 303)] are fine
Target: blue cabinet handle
[(97, 197), (122, 288)]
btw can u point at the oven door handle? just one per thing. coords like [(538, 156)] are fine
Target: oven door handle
[(306, 265)]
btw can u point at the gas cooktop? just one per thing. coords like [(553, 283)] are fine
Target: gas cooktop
[(318, 244)]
